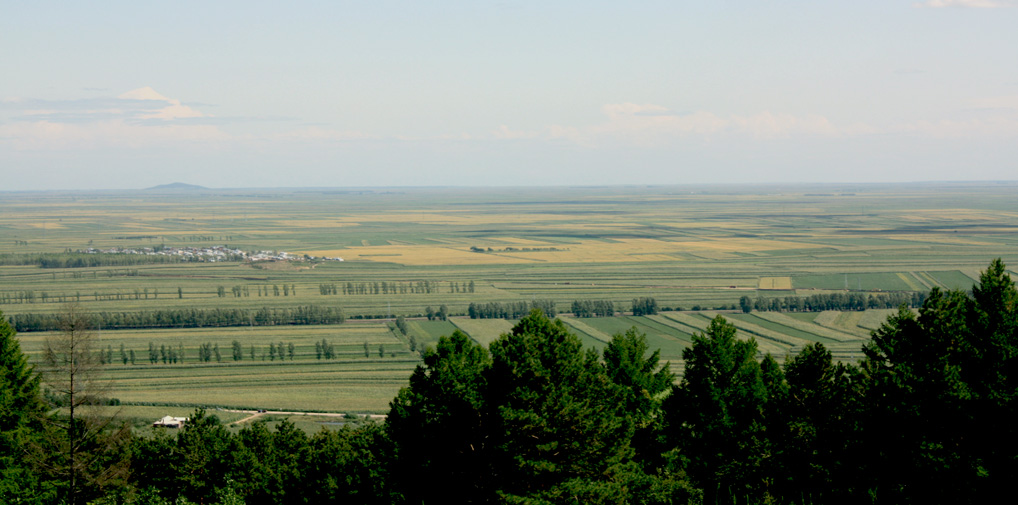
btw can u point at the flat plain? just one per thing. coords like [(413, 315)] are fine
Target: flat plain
[(699, 248)]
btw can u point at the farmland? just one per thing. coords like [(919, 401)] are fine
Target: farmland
[(696, 250)]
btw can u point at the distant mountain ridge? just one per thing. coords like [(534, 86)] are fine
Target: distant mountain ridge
[(177, 186)]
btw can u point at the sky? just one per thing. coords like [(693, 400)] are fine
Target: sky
[(125, 95)]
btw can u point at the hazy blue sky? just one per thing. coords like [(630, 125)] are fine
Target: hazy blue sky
[(253, 94)]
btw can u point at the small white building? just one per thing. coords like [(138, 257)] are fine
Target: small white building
[(170, 422)]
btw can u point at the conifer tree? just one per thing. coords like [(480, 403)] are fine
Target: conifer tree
[(557, 423), (715, 415), (21, 409)]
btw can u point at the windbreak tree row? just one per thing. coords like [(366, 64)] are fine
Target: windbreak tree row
[(833, 301), (191, 318)]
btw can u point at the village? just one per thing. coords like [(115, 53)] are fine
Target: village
[(210, 254)]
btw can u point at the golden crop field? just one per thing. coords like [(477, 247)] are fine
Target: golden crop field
[(784, 283), (623, 250)]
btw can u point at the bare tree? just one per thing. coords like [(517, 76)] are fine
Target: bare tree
[(86, 444)]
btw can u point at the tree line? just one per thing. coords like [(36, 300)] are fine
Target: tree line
[(261, 290), (191, 318), (393, 288), (644, 306), (509, 310), (580, 308), (927, 417), (209, 351), (833, 301), (85, 260), (593, 308)]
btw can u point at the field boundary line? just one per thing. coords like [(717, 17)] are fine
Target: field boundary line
[(782, 341), (670, 324), (692, 322), (910, 280), (791, 322), (584, 327)]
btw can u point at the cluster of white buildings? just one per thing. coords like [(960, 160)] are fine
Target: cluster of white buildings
[(210, 254)]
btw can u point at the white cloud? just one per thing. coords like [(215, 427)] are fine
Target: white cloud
[(172, 110), (135, 119)]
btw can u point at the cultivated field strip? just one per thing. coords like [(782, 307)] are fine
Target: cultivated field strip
[(780, 328), (694, 323), (585, 338), (823, 331), (842, 321), (672, 330), (683, 329), (428, 332), (326, 386), (483, 331), (594, 333), (873, 319), (768, 340), (667, 339)]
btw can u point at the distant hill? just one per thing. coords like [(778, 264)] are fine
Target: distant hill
[(177, 186)]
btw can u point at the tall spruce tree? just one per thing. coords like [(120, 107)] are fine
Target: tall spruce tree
[(558, 425), (715, 416), (21, 409), (629, 363), (436, 425)]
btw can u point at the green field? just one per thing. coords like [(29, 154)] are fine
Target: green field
[(483, 331), (428, 332), (783, 329), (409, 249), (330, 386)]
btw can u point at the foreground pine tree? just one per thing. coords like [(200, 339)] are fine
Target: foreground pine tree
[(21, 411)]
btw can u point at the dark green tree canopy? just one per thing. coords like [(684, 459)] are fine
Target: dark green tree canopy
[(555, 415), (437, 422), (20, 401), (715, 415), (941, 389), (629, 365), (21, 409)]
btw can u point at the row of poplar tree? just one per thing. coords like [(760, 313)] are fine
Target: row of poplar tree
[(926, 417), (833, 301), (190, 318)]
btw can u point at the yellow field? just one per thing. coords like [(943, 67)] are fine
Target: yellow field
[(484, 331), (624, 250), (315, 223), (517, 241), (784, 283), (926, 215)]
